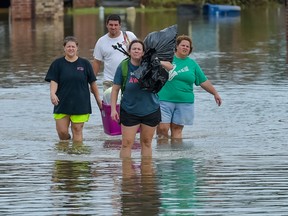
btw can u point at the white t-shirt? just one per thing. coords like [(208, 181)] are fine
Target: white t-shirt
[(111, 57)]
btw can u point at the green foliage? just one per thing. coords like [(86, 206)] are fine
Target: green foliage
[(166, 5), (173, 3), (109, 10), (170, 3)]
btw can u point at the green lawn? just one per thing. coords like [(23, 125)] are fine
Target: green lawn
[(109, 10)]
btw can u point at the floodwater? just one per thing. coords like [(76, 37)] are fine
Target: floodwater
[(232, 161)]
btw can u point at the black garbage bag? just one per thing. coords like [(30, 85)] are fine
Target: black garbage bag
[(162, 43), (152, 75), (160, 46)]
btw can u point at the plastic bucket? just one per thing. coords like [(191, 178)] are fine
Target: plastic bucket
[(110, 126)]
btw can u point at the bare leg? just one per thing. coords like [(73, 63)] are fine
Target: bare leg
[(162, 133), (176, 131), (127, 168), (162, 130), (147, 170), (146, 136), (176, 141), (62, 127), (77, 131), (128, 139)]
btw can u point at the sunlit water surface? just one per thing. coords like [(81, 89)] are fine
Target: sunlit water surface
[(232, 161)]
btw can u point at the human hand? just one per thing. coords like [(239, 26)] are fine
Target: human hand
[(115, 115), (218, 99), (54, 99), (167, 65)]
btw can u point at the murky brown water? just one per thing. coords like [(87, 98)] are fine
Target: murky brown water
[(232, 162)]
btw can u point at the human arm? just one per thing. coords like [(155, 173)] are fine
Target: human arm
[(95, 92), (167, 65), (207, 86), (114, 97), (53, 96), (96, 64)]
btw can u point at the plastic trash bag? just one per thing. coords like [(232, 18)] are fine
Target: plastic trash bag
[(107, 96), (160, 46), (162, 43), (152, 76)]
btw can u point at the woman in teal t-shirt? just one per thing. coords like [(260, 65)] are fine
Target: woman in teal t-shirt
[(176, 96), (138, 108)]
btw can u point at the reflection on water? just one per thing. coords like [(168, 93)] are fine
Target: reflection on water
[(178, 186), (72, 180), (232, 161), (74, 148), (139, 182)]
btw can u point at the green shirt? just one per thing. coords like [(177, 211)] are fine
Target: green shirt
[(179, 87)]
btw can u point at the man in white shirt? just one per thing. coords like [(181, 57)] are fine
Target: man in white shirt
[(105, 53)]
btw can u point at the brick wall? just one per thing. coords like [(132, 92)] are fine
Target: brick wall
[(30, 9), (49, 8), (21, 9)]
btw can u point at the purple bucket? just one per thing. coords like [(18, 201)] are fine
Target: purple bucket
[(110, 126)]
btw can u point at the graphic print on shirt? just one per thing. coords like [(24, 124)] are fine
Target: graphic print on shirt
[(132, 78), (173, 73), (80, 68)]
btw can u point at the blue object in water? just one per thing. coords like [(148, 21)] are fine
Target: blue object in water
[(221, 10)]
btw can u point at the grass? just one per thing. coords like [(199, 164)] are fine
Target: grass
[(110, 10)]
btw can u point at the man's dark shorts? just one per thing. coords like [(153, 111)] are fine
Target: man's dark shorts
[(151, 120)]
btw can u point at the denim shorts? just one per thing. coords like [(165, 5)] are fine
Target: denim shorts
[(151, 120), (177, 113)]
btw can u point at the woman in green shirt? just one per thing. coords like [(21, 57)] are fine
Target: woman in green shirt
[(177, 96)]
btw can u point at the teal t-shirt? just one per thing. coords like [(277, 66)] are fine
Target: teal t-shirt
[(179, 87), (135, 100)]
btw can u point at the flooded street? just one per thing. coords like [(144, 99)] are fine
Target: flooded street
[(232, 161)]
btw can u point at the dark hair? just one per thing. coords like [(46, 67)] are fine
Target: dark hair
[(136, 41), (70, 38), (180, 38), (114, 17)]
